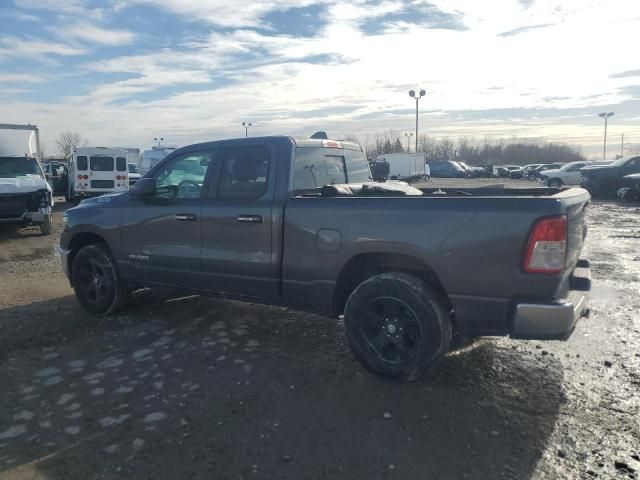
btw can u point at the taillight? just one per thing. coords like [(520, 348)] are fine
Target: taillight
[(79, 177), (86, 177), (331, 144), (547, 247)]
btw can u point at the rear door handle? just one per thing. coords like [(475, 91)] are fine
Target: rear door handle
[(185, 217), (249, 218)]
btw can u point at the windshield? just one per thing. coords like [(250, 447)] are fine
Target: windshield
[(13, 167), (620, 161), (133, 168)]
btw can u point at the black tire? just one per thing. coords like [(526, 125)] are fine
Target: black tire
[(96, 281), (46, 228), (555, 183), (397, 326)]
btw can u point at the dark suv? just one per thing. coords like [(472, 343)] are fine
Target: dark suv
[(446, 169), (603, 181)]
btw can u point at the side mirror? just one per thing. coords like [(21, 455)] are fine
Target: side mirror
[(145, 187)]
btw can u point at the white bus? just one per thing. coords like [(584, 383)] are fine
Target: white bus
[(94, 171)]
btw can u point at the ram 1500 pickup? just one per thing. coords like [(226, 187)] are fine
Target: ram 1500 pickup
[(300, 224)]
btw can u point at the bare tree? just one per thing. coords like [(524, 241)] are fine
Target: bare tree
[(68, 141)]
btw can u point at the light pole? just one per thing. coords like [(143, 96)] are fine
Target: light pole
[(606, 116), (412, 94), (246, 126), (408, 135), (158, 139)]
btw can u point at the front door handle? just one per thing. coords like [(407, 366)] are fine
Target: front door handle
[(249, 218), (185, 217)]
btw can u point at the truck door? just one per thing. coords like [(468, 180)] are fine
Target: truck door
[(237, 223), (161, 234), (58, 178)]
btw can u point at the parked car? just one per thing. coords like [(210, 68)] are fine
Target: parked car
[(502, 171), (522, 172), (535, 173), (409, 275), (134, 173), (26, 198), (446, 169), (630, 188), (468, 170), (603, 181), (568, 174)]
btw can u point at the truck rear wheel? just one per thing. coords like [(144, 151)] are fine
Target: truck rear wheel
[(96, 281), (397, 326)]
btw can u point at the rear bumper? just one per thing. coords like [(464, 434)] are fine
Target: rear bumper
[(554, 320)]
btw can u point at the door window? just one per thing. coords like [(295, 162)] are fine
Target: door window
[(244, 172), (121, 164), (184, 175)]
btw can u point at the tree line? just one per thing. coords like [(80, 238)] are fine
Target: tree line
[(511, 151)]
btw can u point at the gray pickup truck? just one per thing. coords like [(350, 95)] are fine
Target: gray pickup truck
[(300, 224)]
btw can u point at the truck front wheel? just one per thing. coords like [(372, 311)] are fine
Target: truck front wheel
[(96, 281), (397, 326), (46, 227)]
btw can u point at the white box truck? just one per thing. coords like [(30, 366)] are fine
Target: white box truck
[(406, 166)]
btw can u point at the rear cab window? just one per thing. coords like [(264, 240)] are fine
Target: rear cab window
[(315, 167)]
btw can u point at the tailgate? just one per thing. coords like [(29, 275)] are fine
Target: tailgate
[(575, 202)]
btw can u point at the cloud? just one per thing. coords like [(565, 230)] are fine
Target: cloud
[(25, 17), (12, 46), (245, 64), (227, 14), (519, 30), (94, 34), (20, 78), (626, 74), (60, 7)]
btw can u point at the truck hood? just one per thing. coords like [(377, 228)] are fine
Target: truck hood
[(596, 169), (23, 184), (633, 176)]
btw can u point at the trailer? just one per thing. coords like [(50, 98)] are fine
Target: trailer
[(405, 166)]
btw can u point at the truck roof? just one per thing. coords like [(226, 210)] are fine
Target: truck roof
[(319, 143)]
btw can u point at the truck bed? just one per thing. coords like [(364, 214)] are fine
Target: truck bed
[(472, 240)]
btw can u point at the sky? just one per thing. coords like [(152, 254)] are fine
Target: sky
[(126, 71)]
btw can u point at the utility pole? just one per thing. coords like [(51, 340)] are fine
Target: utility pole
[(246, 126), (409, 135), (412, 94), (606, 116)]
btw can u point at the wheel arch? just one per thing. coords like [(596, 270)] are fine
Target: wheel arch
[(80, 240), (366, 265), (555, 179)]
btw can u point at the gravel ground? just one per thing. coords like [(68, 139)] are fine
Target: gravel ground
[(190, 387)]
